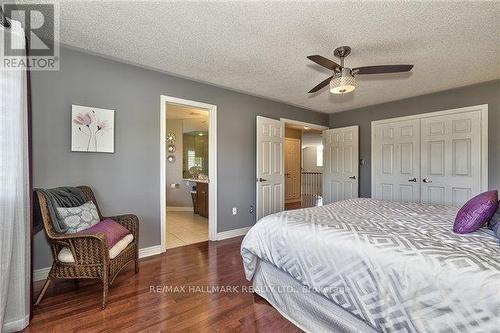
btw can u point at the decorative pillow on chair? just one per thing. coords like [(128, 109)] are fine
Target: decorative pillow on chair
[(476, 212), (113, 230), (117, 239), (79, 218)]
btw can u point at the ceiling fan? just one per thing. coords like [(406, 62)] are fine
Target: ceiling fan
[(342, 81)]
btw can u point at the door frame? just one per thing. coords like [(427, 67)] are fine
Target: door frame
[(212, 164), (304, 124), (285, 121), (483, 108)]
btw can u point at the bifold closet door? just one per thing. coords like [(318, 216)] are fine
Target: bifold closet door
[(451, 158), (396, 161)]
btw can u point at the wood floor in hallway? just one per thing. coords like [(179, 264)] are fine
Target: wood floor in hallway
[(142, 302)]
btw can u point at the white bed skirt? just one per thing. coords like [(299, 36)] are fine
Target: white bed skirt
[(308, 310)]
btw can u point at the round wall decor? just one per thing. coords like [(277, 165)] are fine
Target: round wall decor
[(171, 138)]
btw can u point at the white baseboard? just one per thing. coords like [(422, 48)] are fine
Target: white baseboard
[(179, 209), (16, 325), (42, 273), (150, 251), (232, 233)]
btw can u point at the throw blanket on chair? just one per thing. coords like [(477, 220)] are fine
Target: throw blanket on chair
[(58, 197)]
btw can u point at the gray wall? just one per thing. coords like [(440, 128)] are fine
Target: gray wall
[(485, 93), (129, 179)]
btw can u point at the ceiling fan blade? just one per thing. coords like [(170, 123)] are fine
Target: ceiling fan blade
[(322, 61), (321, 85), (382, 69)]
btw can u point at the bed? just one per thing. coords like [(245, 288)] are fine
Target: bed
[(364, 265)]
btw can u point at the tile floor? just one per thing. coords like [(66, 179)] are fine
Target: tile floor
[(185, 228)]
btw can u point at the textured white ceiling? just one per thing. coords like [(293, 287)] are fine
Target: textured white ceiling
[(261, 47)]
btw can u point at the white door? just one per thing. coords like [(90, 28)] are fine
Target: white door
[(270, 169), (341, 164), (396, 161), (292, 170), (451, 158)]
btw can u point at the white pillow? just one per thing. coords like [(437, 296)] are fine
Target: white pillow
[(79, 218)]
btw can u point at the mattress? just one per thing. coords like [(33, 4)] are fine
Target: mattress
[(398, 267)]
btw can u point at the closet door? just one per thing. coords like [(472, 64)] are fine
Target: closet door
[(396, 161), (451, 158)]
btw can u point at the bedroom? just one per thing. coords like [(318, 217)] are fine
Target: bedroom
[(95, 120)]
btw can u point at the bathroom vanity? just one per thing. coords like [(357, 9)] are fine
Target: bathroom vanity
[(201, 196)]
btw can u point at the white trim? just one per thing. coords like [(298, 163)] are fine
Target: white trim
[(232, 233), (16, 325), (302, 123), (484, 136), (150, 251), (42, 273), (483, 108), (212, 164), (179, 209)]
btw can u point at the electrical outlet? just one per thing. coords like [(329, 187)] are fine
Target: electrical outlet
[(250, 210), (235, 210)]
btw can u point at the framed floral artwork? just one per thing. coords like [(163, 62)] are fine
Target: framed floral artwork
[(92, 129)]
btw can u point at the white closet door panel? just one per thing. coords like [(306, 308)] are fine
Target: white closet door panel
[(396, 161), (451, 158)]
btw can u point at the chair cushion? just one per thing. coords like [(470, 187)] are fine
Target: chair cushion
[(117, 239), (65, 254), (476, 212), (79, 218)]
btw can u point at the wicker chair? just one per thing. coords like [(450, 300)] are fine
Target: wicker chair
[(89, 250)]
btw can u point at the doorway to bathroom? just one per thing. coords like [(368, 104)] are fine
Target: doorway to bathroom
[(188, 172)]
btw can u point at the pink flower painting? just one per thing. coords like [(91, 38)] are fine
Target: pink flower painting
[(92, 129)]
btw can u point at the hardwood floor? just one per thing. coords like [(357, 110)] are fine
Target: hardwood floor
[(133, 307)]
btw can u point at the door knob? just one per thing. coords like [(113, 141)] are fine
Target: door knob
[(352, 177), (425, 180), (260, 180), (413, 180)]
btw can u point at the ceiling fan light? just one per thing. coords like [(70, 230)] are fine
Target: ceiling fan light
[(343, 83)]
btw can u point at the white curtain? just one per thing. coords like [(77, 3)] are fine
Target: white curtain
[(14, 193)]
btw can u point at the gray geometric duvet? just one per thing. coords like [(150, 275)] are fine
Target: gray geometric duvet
[(397, 266)]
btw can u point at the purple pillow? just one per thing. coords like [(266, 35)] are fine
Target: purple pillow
[(113, 231), (476, 212)]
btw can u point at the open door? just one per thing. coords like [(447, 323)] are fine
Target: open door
[(341, 164), (270, 168)]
